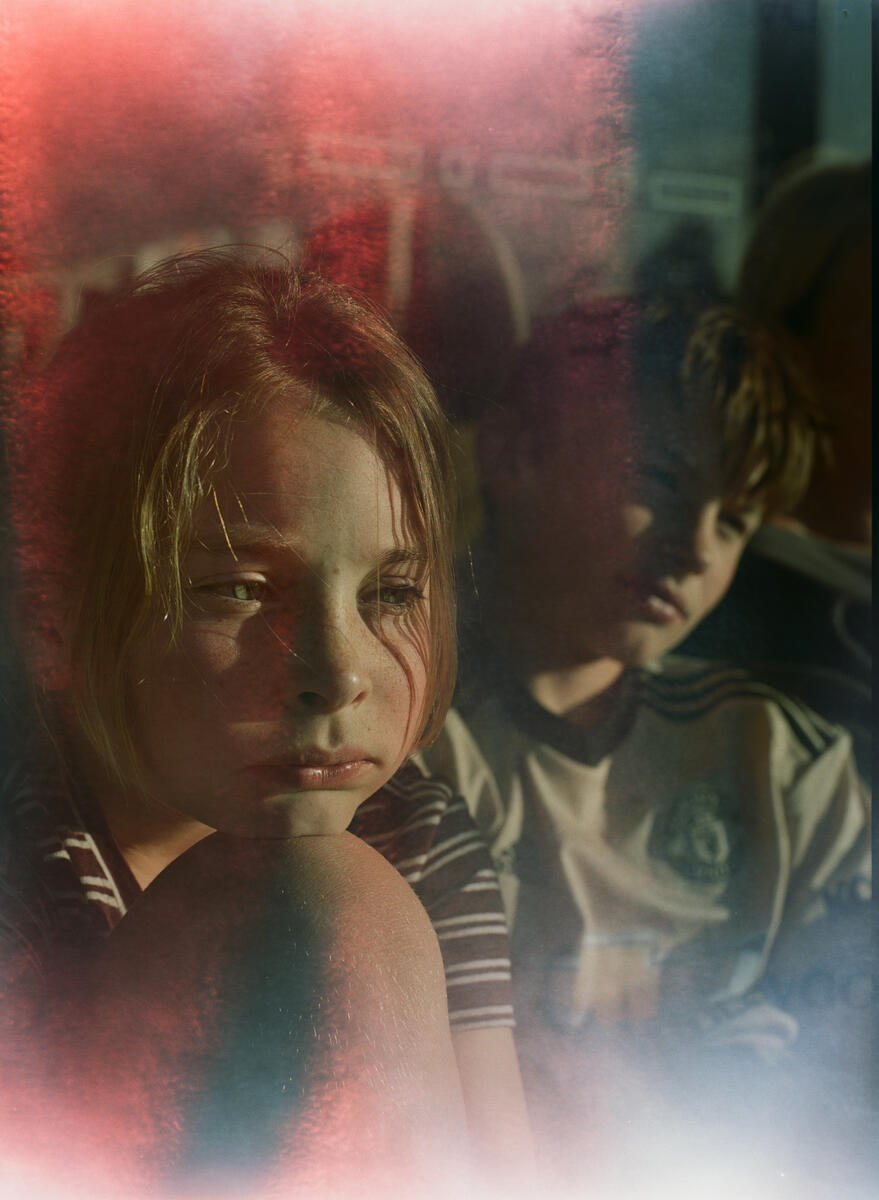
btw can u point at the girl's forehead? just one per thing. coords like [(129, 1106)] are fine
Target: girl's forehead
[(304, 476), (287, 438)]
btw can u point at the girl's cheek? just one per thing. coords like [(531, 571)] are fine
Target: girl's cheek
[(216, 671), (416, 682), (193, 660)]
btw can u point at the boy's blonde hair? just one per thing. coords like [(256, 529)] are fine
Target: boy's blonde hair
[(621, 365), (767, 417), (118, 442)]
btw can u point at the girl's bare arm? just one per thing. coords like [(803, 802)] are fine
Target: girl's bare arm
[(494, 1102)]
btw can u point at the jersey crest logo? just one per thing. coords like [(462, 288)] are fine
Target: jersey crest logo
[(698, 835)]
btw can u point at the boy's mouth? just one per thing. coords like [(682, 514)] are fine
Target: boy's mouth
[(655, 601)]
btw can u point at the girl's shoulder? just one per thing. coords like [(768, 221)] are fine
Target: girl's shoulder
[(409, 810), (58, 889), (425, 830)]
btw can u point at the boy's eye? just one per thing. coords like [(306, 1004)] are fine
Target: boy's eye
[(661, 476), (732, 524), (738, 523)]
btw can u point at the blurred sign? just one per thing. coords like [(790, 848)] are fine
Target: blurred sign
[(537, 175), (394, 160), (701, 195), (397, 161)]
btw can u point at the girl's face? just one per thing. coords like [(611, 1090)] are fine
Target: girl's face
[(296, 686)]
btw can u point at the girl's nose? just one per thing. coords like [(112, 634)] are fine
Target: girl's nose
[(328, 674)]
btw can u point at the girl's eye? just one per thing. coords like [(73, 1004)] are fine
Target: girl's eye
[(239, 591), (396, 597)]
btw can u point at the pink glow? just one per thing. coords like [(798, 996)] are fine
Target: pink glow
[(133, 125)]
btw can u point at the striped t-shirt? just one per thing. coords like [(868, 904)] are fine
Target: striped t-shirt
[(64, 885)]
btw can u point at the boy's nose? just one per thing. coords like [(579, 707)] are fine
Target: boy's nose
[(327, 673), (690, 542)]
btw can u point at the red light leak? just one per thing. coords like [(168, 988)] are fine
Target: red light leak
[(130, 124)]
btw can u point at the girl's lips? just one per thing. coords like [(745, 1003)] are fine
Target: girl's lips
[(310, 774)]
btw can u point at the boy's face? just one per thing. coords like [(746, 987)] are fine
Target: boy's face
[(632, 542), (296, 686)]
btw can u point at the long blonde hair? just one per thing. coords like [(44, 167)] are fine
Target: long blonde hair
[(116, 444)]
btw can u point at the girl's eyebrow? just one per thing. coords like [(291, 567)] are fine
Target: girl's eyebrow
[(243, 538), (404, 556)]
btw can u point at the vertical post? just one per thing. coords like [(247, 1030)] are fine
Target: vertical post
[(788, 84)]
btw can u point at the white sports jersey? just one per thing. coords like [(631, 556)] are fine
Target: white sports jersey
[(664, 863), (690, 948)]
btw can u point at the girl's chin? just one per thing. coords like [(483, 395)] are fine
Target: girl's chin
[(309, 814)]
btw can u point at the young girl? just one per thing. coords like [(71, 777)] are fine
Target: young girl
[(230, 502)]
